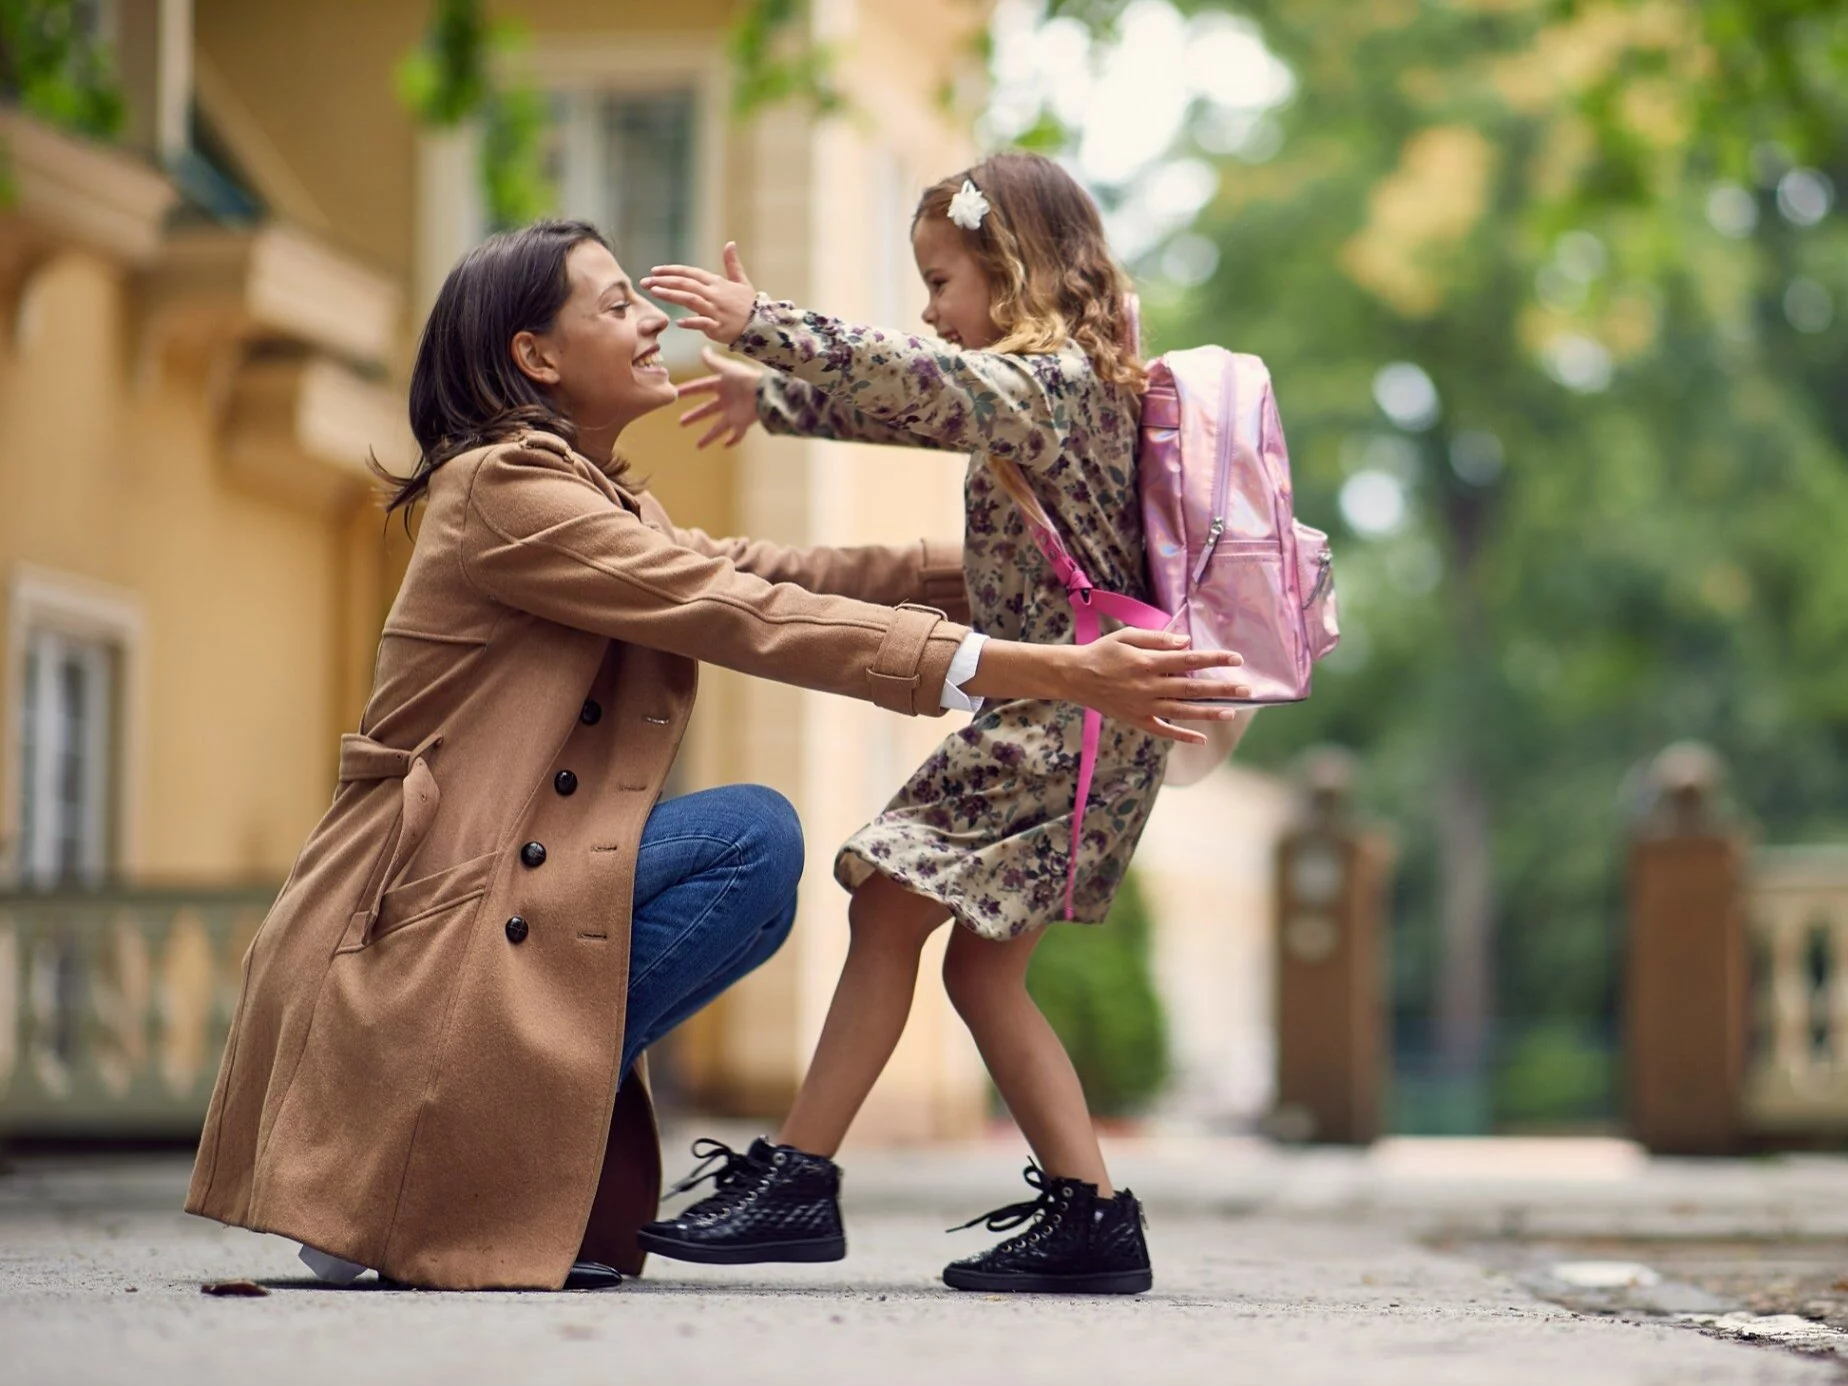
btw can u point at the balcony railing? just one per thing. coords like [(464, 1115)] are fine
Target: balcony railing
[(1796, 1079), (114, 1006)]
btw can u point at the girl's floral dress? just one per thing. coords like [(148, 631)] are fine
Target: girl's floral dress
[(984, 826)]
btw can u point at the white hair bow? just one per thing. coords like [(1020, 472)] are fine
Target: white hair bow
[(968, 207)]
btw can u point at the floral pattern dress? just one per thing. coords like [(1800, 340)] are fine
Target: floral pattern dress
[(984, 825)]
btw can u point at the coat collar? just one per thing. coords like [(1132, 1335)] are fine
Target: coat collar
[(551, 442)]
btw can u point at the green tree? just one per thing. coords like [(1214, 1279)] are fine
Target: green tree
[(54, 67), (450, 78), (1559, 280)]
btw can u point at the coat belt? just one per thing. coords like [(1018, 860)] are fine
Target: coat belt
[(363, 759)]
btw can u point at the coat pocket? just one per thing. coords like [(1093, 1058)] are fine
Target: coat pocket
[(419, 797), (427, 897)]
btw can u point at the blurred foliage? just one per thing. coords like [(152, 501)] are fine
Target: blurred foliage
[(1550, 1070), (1606, 233), (450, 78), (775, 59), (53, 65), (1096, 988)]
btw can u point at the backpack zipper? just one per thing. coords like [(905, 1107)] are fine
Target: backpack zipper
[(1325, 568), (1222, 479)]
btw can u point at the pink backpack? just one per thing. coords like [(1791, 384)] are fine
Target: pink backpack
[(1228, 563)]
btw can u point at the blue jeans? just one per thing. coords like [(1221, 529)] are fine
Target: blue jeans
[(715, 894)]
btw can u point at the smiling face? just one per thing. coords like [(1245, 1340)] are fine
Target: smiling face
[(600, 360), (958, 307)]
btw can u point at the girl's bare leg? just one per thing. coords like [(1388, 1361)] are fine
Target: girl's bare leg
[(871, 1003), (987, 983)]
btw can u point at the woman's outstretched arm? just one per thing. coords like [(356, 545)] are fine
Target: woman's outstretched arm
[(928, 572), (539, 537)]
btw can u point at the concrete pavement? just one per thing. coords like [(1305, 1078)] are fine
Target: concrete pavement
[(1272, 1266)]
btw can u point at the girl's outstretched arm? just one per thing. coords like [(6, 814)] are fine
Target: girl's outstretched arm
[(967, 401), (739, 394), (788, 405)]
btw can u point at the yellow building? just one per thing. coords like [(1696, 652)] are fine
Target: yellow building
[(206, 327)]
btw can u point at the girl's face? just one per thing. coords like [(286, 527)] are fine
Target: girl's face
[(601, 357), (957, 309)]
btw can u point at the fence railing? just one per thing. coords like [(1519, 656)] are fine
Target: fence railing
[(114, 1006), (1736, 987), (1796, 910)]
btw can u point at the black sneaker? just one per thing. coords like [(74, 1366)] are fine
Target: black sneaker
[(1079, 1244), (772, 1203)]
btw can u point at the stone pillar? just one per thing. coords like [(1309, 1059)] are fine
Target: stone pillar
[(1687, 968), (1332, 876)]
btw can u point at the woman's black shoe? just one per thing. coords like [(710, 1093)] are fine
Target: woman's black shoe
[(1078, 1244), (772, 1203)]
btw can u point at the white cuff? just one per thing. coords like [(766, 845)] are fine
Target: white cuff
[(962, 669)]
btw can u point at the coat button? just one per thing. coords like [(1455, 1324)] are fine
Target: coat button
[(591, 713), (565, 783), (533, 854), (516, 930)]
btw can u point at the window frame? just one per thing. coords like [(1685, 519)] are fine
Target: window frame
[(451, 216), (79, 609)]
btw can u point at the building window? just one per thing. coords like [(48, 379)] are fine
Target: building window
[(71, 684), (627, 162), (635, 145), (93, 24), (67, 785)]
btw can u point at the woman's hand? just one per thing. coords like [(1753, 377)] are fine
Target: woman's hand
[(733, 387), (1140, 677), (719, 306)]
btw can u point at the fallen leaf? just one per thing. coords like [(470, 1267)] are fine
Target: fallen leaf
[(236, 1289)]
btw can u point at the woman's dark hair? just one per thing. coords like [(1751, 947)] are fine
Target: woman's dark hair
[(466, 391)]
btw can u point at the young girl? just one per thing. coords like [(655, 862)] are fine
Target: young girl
[(1035, 374)]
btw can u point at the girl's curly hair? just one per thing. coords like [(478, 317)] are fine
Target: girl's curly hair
[(1049, 267), (1051, 275)]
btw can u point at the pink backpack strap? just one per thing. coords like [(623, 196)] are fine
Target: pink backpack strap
[(1088, 606)]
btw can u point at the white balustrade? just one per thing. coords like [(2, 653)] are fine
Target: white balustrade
[(1796, 1080)]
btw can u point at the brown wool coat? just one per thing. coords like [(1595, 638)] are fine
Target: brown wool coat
[(416, 1080)]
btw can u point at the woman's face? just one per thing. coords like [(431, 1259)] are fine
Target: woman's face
[(601, 357), (957, 309)]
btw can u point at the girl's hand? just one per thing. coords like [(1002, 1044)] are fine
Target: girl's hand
[(733, 387), (1136, 676), (720, 307)]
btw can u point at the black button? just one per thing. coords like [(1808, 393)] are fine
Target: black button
[(516, 930), (565, 783), (533, 854), (591, 713)]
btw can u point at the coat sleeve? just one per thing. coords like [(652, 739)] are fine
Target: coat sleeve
[(539, 537), (929, 571), (1016, 407)]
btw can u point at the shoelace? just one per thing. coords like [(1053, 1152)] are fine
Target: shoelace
[(718, 1162), (1012, 1215)]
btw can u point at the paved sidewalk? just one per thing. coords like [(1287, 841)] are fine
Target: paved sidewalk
[(1271, 1267)]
